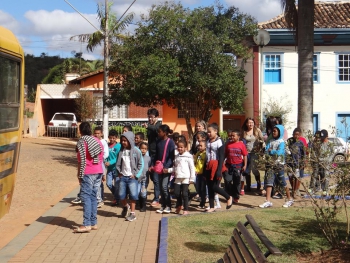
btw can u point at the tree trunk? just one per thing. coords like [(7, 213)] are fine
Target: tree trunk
[(305, 64)]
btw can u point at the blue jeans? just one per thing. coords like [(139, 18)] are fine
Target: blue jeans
[(113, 186), (130, 186), (275, 177), (164, 193), (142, 189), (155, 179), (88, 193)]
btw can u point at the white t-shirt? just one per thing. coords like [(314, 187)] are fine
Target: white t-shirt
[(126, 163)]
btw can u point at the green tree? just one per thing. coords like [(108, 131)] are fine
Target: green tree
[(96, 39), (301, 21), (180, 56)]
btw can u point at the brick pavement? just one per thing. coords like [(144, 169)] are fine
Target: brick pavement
[(50, 237)]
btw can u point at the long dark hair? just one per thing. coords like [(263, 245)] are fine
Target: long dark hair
[(165, 128), (271, 122), (245, 127)]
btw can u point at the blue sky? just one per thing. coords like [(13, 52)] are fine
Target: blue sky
[(46, 25)]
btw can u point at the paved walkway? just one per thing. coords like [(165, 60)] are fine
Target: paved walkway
[(50, 237)]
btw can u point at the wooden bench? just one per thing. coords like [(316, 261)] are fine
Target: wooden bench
[(244, 249)]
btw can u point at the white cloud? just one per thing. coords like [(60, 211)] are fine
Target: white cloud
[(262, 10), (45, 23), (9, 22)]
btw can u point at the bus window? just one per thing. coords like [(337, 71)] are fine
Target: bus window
[(10, 93)]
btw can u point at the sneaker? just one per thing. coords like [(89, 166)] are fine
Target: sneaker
[(155, 203), (125, 210), (235, 200), (76, 201), (288, 203), (160, 211), (201, 207), (277, 196), (167, 210), (185, 213), (266, 204), (217, 206), (131, 217), (100, 204), (242, 192)]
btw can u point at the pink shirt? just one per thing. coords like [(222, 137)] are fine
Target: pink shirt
[(91, 167)]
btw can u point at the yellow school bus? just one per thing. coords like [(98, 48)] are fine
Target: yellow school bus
[(11, 114)]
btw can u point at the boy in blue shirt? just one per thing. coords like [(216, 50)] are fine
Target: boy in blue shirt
[(110, 163), (275, 151)]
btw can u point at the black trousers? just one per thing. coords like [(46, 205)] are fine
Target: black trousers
[(181, 192), (214, 187), (233, 185)]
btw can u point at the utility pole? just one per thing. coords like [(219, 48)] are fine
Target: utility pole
[(105, 73)]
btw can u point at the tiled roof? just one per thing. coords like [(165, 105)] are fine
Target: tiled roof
[(327, 15), (77, 80)]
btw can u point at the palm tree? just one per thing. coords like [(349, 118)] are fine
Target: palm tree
[(92, 66), (301, 20), (96, 39)]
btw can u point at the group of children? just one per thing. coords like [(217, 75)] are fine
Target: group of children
[(128, 166)]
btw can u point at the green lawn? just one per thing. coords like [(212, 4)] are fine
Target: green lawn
[(205, 237)]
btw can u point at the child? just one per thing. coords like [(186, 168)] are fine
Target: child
[(100, 194), (152, 136), (322, 156), (127, 127), (275, 168), (165, 149), (129, 167), (143, 180), (110, 163), (214, 167), (295, 149), (139, 138), (236, 162), (199, 160), (90, 158), (184, 175)]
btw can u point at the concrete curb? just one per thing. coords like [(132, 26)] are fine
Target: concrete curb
[(22, 239), (163, 241)]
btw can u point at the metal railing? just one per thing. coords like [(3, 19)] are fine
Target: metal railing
[(65, 132)]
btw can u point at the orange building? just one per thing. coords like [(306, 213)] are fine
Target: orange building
[(53, 98)]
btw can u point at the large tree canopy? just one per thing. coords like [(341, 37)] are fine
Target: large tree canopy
[(177, 56)]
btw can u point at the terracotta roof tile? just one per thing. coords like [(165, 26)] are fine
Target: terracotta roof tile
[(327, 15)]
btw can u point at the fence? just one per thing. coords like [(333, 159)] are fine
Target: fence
[(73, 132)]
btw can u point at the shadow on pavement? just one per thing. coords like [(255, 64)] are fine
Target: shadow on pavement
[(70, 161), (57, 221)]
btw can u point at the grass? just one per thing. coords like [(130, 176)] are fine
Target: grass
[(205, 237)]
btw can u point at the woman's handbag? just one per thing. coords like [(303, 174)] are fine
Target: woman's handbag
[(158, 166)]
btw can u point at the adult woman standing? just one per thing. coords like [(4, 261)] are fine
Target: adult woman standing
[(255, 140), (200, 126)]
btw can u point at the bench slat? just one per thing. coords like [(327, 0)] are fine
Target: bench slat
[(268, 244), (236, 251), (245, 251), (227, 259), (259, 255)]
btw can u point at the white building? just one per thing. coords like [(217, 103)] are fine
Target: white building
[(277, 76)]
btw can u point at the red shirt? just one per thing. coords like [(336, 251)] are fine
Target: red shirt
[(234, 152)]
